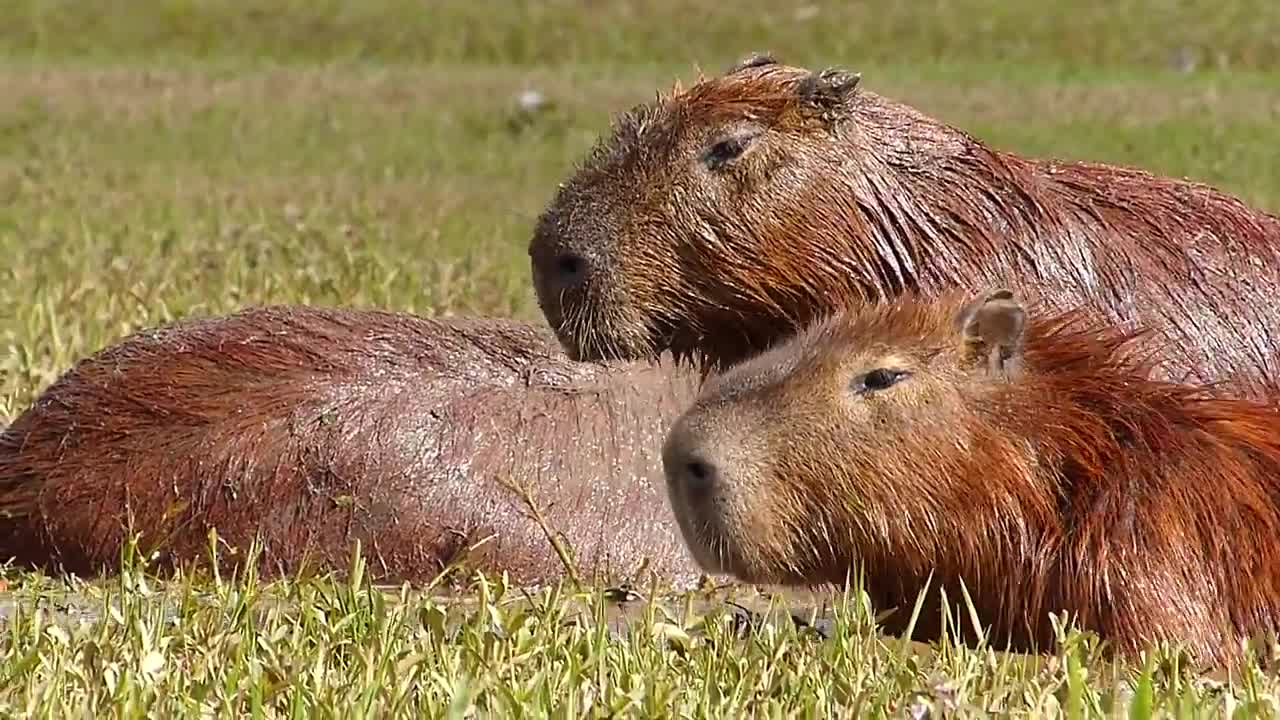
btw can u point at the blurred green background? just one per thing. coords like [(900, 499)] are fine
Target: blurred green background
[(159, 159)]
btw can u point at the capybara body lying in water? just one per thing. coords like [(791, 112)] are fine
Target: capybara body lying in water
[(716, 220), (1032, 456), (315, 427)]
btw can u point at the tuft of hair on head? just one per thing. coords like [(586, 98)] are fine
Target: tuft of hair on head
[(753, 60), (677, 89), (992, 329), (829, 91)]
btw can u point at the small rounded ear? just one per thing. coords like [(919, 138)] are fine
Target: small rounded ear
[(830, 90), (992, 330), (755, 59)]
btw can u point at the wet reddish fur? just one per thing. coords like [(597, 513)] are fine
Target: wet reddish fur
[(868, 198), (315, 427), (1155, 514)]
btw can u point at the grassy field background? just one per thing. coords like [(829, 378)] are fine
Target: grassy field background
[(166, 158)]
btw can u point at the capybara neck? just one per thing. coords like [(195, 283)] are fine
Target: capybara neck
[(716, 220), (1033, 458), (309, 428)]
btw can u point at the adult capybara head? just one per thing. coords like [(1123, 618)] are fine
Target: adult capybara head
[(722, 218), (788, 460), (696, 208)]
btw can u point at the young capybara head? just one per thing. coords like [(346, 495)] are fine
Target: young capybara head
[(694, 209), (786, 461), (966, 442)]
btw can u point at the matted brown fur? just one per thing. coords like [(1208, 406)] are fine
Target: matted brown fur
[(1034, 458), (719, 218), (313, 427)]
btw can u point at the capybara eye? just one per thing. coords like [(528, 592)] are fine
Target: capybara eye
[(878, 379), (725, 151)]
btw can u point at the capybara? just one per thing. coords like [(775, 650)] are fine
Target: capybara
[(718, 219), (1029, 453), (313, 427)]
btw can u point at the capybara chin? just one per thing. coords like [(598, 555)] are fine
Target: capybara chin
[(1030, 455), (718, 219), (309, 428)]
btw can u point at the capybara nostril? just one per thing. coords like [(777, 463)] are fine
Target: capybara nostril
[(699, 475), (690, 471), (570, 270)]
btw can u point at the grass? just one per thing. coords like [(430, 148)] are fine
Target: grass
[(320, 647), (175, 157)]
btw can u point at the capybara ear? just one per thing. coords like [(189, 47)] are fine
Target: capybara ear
[(992, 328), (755, 59), (830, 90)]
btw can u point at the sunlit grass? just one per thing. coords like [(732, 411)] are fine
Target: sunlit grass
[(159, 160), (218, 646)]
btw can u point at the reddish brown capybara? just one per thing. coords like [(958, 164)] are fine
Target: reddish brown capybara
[(720, 218), (1031, 455), (314, 427)]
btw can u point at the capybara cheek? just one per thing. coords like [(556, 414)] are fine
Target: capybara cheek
[(704, 535), (705, 526), (593, 330), (717, 516), (755, 542)]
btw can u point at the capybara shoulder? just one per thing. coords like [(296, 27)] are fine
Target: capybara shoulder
[(717, 219), (308, 428), (1030, 455)]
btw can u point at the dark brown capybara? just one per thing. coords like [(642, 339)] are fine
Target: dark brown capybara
[(720, 218), (314, 427), (1031, 455)]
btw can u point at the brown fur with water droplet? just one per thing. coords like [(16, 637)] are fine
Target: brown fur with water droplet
[(314, 427), (719, 218), (1031, 455)]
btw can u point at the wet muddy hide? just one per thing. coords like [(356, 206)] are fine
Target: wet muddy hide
[(310, 428)]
